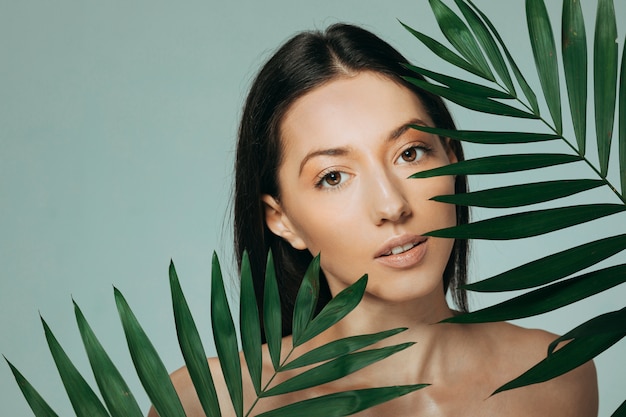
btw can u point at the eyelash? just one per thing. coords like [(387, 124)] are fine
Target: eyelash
[(426, 150), (324, 175)]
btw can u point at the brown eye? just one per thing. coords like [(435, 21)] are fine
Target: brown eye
[(332, 178), (412, 154), (409, 155)]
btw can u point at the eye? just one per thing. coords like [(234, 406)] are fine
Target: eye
[(332, 179), (412, 154)]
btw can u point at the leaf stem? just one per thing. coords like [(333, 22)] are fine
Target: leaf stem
[(621, 197), (587, 161), (269, 382)]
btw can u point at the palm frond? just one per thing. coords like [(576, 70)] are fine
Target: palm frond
[(547, 271), (329, 362)]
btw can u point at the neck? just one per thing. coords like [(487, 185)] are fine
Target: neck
[(419, 317), (374, 314)]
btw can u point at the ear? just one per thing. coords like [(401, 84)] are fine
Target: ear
[(450, 151), (279, 224)]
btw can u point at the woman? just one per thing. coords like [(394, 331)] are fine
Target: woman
[(325, 149)]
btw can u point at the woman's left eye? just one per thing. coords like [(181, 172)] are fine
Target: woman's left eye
[(412, 154)]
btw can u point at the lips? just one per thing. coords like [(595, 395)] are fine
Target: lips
[(399, 245), (400, 249), (403, 254)]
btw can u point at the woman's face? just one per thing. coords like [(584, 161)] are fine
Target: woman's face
[(347, 150)]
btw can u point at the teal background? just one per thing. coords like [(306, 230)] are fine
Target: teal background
[(117, 129)]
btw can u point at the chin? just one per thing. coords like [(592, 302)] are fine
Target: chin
[(390, 290)]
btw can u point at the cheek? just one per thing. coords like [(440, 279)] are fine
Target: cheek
[(326, 227), (437, 186)]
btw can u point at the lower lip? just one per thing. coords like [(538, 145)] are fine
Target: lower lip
[(405, 259)]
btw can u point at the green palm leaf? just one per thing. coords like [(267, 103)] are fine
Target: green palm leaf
[(570, 356), (271, 313), (521, 194), (621, 410), (552, 267), (605, 79), (338, 348), (528, 92), (442, 51), (488, 44), (547, 298), (336, 309), (150, 369), (460, 37), (250, 325), (458, 84), (588, 340), (530, 223), (84, 401), (192, 349), (544, 51), (574, 47), (486, 137), (306, 301), (622, 121), (35, 401), (115, 392), (481, 104), (499, 164), (334, 369), (342, 403), (225, 338), (613, 322)]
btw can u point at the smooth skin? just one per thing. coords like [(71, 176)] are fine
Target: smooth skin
[(344, 193)]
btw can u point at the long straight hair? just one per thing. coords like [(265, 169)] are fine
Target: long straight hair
[(304, 62)]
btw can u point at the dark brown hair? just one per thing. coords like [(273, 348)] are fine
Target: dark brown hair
[(304, 62)]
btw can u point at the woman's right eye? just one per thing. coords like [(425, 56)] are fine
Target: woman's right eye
[(332, 179)]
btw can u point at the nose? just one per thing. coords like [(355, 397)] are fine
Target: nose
[(389, 203)]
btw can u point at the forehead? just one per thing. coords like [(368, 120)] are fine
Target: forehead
[(350, 108)]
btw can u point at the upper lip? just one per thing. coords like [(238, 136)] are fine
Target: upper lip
[(399, 241)]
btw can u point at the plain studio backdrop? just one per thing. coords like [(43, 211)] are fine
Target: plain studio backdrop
[(117, 136)]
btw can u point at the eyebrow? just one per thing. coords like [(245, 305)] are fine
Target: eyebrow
[(408, 125), (341, 151)]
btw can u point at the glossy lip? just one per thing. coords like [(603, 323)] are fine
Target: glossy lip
[(405, 259)]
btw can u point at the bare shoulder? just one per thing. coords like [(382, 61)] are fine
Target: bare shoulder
[(574, 393)]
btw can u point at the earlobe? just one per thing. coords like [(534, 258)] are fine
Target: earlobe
[(279, 224)]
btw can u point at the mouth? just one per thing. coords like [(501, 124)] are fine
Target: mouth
[(401, 249), (397, 248), (403, 253)]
